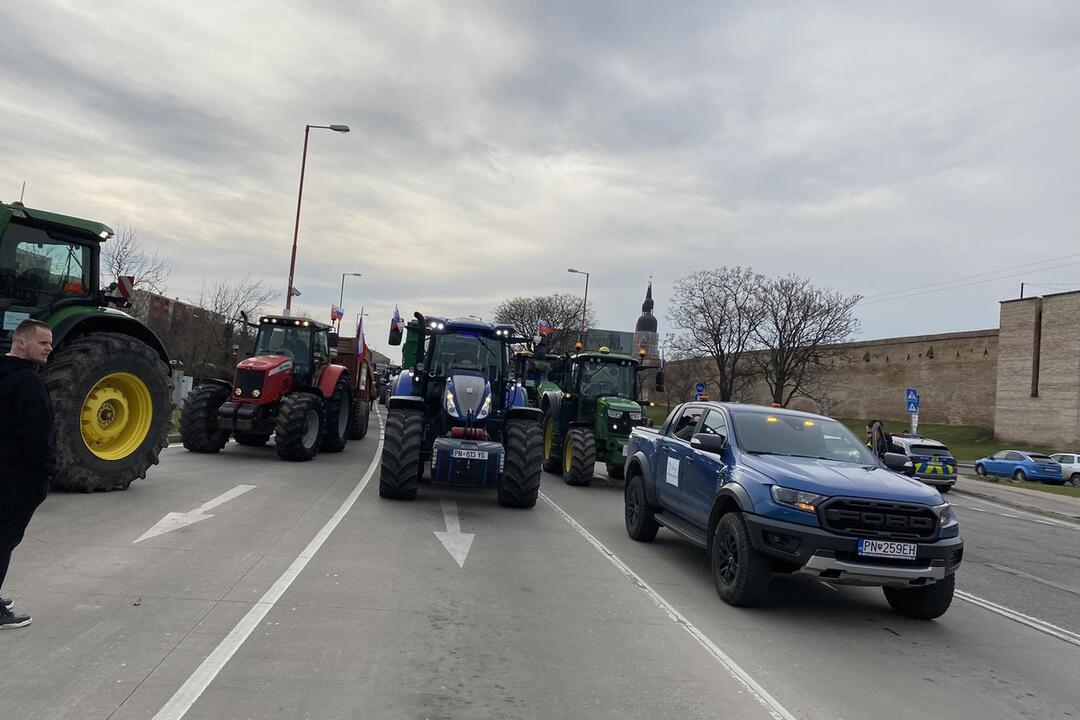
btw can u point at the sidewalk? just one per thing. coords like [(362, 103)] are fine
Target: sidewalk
[(1060, 506)]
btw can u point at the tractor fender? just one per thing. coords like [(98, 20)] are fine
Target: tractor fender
[(517, 397), (403, 385), (523, 413), (550, 403), (213, 381), (405, 402), (330, 378), (95, 320)]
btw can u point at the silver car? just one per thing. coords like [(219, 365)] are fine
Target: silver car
[(1070, 467)]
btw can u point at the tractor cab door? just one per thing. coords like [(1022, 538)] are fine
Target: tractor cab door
[(320, 355)]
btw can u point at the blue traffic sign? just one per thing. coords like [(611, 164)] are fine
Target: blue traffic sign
[(700, 387), (912, 394), (913, 406)]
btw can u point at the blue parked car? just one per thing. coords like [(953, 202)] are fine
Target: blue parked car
[(1021, 465)]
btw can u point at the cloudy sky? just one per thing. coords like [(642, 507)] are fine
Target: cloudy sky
[(884, 149)]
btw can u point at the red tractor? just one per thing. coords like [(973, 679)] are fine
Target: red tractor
[(288, 389)]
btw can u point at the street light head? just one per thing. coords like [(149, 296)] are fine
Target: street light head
[(340, 128), (573, 270)]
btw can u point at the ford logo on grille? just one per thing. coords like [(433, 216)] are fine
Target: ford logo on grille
[(882, 521)]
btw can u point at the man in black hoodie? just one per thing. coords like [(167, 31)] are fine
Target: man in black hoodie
[(26, 444)]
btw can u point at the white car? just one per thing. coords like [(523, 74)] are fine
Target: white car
[(1070, 466)]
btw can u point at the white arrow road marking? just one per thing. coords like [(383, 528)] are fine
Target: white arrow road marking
[(456, 542), (175, 521)]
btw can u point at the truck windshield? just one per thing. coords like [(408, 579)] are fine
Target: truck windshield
[(600, 378), (798, 436), (37, 269), (465, 352)]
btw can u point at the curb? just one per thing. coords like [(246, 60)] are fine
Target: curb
[(1075, 519)]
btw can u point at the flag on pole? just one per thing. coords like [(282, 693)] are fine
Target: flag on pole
[(543, 327), (395, 322), (661, 358), (361, 341), (336, 313)]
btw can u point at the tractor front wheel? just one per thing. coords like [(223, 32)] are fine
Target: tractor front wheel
[(111, 399), (198, 421), (552, 451), (520, 483), (579, 456), (299, 426), (361, 418), (338, 416), (400, 471)]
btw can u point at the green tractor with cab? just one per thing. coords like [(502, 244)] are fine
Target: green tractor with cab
[(588, 417), (108, 376)]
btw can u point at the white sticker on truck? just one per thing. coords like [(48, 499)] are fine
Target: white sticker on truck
[(671, 465)]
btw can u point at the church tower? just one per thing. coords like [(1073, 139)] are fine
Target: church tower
[(645, 334)]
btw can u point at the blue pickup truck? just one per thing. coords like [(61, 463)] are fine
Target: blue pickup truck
[(767, 490)]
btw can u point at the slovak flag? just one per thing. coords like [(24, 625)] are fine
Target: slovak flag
[(395, 322), (361, 341), (336, 313), (544, 327), (661, 358)]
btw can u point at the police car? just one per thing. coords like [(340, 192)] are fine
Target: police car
[(934, 463)]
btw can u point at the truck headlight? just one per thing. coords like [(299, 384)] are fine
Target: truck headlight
[(798, 499), (450, 404), (946, 515), (485, 409)]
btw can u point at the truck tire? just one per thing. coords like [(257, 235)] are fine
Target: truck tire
[(111, 401), (641, 522), (614, 471), (300, 427), (251, 439), (551, 450), (361, 418), (740, 574), (338, 417), (520, 482), (198, 420), (924, 603), (401, 469), (579, 457)]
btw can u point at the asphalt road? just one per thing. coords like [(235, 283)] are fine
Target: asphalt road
[(306, 596)]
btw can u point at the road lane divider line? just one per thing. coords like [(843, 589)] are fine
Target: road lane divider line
[(182, 701), (1036, 624), (767, 701)]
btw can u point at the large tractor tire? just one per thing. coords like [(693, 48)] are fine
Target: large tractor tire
[(520, 483), (579, 457), (198, 420), (338, 417), (361, 419), (300, 426), (112, 401), (400, 471), (251, 439), (552, 451)]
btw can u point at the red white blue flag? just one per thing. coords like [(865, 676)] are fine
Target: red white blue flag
[(395, 322), (361, 341), (336, 313), (543, 327)]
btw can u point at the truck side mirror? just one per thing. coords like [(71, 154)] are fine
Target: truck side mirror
[(900, 463), (395, 336), (709, 442)]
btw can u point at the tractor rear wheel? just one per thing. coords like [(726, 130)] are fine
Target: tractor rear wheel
[(338, 416), (198, 420), (112, 401), (579, 456), (401, 454), (251, 439), (361, 418), (520, 483), (552, 451), (299, 426)]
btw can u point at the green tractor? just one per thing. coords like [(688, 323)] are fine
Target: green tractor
[(108, 376), (538, 373), (589, 416)]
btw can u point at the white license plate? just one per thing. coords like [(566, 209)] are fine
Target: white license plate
[(888, 548), (469, 454), (625, 450)]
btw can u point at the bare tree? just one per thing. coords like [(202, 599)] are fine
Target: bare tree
[(682, 372), (124, 255), (716, 312), (800, 325), (562, 310)]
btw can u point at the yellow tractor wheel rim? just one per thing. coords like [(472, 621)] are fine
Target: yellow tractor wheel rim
[(568, 456), (549, 437), (116, 416)]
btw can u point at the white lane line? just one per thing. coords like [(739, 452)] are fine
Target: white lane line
[(1014, 517), (1041, 625), (771, 704), (196, 684)]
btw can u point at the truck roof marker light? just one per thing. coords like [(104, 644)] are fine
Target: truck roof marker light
[(605, 350), (808, 423), (771, 419)]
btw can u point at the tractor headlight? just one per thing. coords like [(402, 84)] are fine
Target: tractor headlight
[(450, 404), (614, 414), (256, 392), (485, 409), (237, 391), (635, 416)]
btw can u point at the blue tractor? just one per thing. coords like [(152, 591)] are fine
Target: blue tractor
[(456, 408)]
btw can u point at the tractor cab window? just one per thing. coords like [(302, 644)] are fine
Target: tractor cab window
[(38, 269), (294, 342), (322, 346), (536, 372), (600, 378), (465, 351)]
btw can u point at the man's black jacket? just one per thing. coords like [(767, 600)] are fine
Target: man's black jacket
[(27, 448)]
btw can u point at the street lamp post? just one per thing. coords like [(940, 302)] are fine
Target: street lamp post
[(299, 199), (584, 303), (341, 297)]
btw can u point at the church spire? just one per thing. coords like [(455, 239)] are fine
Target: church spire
[(647, 323)]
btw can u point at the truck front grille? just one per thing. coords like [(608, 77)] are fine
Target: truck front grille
[(879, 519)]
